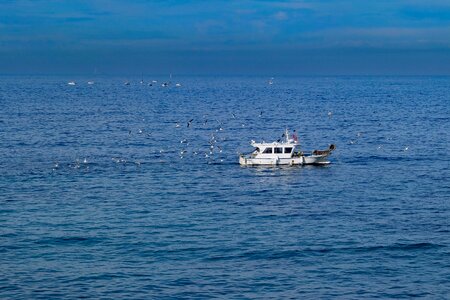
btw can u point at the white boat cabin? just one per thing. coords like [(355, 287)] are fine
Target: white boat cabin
[(280, 150)]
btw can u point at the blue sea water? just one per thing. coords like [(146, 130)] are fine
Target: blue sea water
[(103, 196)]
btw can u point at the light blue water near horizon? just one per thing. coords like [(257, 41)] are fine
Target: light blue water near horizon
[(97, 200)]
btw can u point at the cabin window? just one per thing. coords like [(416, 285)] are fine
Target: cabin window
[(268, 150), (288, 150), (278, 150)]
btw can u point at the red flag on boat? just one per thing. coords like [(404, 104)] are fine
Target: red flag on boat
[(295, 137)]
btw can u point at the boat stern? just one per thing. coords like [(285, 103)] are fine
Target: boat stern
[(316, 160)]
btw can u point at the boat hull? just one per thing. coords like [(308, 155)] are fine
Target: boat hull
[(300, 160)]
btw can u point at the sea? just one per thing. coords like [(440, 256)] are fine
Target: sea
[(114, 191)]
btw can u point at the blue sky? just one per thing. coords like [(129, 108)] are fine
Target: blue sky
[(225, 37)]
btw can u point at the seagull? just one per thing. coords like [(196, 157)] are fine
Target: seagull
[(234, 116), (183, 141), (127, 83), (90, 82), (140, 131), (178, 84), (71, 83), (260, 114), (406, 148), (85, 160), (189, 123), (330, 114), (177, 125)]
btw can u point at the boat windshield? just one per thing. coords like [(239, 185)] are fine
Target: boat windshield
[(268, 150), (288, 150)]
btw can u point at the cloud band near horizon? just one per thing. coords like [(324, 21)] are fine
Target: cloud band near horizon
[(310, 36)]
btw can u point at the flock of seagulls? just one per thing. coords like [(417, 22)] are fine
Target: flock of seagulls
[(151, 83), (211, 151), (154, 82)]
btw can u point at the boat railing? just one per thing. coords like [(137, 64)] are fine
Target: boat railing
[(249, 154), (300, 153)]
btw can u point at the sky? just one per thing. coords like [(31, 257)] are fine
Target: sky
[(246, 37)]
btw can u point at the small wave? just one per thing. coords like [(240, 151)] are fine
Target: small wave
[(258, 255), (401, 247), (393, 247), (69, 240), (286, 254)]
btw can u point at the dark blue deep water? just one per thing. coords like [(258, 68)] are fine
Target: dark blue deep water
[(97, 201)]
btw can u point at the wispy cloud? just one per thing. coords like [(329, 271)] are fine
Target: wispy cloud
[(384, 37), (280, 16), (293, 5)]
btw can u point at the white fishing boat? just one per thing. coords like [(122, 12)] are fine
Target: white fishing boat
[(285, 152)]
